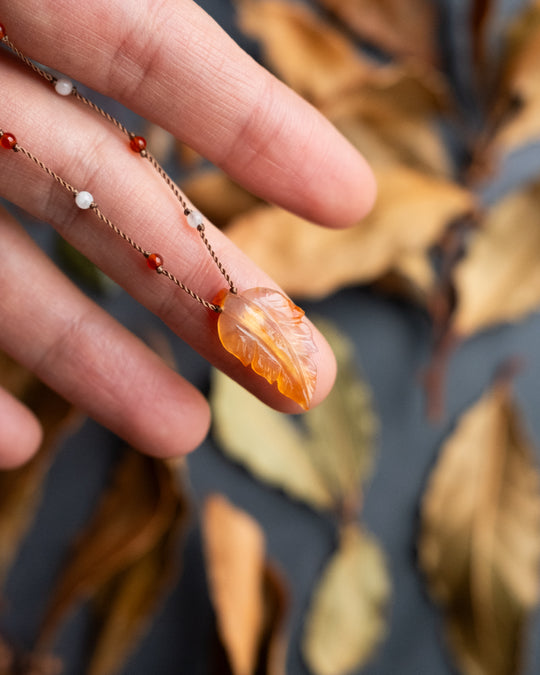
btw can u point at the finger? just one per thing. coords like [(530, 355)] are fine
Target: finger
[(20, 432), (171, 63), (93, 156), (80, 351)]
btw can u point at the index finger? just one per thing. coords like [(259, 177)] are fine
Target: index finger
[(172, 64)]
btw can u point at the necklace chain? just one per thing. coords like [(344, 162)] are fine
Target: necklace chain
[(138, 145)]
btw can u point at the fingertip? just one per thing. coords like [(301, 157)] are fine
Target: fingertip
[(20, 432)]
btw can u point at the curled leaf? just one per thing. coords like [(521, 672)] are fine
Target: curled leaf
[(499, 279), (126, 605), (268, 332), (480, 535), (346, 620), (247, 594), (134, 515)]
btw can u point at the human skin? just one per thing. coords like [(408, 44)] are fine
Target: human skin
[(170, 62)]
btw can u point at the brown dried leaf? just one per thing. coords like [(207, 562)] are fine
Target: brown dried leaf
[(407, 29), (135, 514), (129, 601), (481, 554), (346, 620), (218, 197), (20, 489), (519, 102), (309, 55), (323, 466), (248, 595), (499, 279), (411, 213), (391, 118)]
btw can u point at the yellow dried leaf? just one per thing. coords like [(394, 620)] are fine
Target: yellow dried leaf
[(346, 620), (276, 455), (403, 28), (135, 513), (341, 431), (411, 213), (499, 279), (323, 465), (480, 538), (238, 579), (218, 197), (309, 55)]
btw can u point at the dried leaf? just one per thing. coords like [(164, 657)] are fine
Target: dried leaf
[(480, 539), (341, 431), (218, 197), (249, 622), (411, 213), (407, 29), (346, 620), (268, 443), (499, 279), (325, 464), (129, 601), (392, 118), (135, 514), (318, 61), (519, 97), (20, 489), (268, 332)]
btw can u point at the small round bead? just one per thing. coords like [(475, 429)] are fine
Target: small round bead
[(154, 261), (137, 144), (195, 219), (8, 141), (2, 31), (84, 200), (63, 86)]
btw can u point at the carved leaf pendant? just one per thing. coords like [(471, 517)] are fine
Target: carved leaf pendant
[(266, 331)]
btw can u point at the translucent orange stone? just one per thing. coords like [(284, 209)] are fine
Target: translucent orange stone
[(8, 141), (137, 144), (154, 261), (268, 332)]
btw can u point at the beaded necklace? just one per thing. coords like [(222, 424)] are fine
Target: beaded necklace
[(259, 326)]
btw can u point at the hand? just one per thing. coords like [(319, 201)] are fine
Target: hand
[(171, 63)]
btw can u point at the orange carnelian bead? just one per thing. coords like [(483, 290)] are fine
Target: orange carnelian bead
[(154, 261), (137, 144), (2, 31), (8, 141)]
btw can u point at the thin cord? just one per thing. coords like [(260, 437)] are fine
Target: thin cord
[(143, 152)]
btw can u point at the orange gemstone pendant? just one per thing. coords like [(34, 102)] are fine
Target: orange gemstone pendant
[(266, 331)]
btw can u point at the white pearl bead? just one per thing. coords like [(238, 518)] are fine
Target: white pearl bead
[(84, 200), (195, 219), (63, 86)]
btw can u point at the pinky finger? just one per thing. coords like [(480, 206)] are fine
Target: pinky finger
[(20, 432)]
